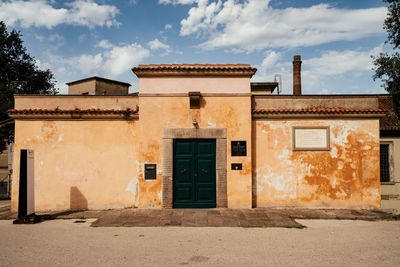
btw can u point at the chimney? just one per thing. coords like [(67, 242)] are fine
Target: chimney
[(297, 75)]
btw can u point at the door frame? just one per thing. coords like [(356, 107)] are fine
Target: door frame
[(169, 134)]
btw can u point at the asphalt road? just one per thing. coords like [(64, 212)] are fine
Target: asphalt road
[(322, 243)]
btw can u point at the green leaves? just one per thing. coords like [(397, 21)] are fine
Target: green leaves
[(387, 67), (18, 75)]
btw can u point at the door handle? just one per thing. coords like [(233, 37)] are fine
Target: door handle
[(204, 171), (183, 171)]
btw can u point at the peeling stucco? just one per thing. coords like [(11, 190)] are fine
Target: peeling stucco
[(347, 175)]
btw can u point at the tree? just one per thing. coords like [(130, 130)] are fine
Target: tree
[(18, 75), (387, 67)]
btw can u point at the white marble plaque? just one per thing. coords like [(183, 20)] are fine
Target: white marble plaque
[(311, 138)]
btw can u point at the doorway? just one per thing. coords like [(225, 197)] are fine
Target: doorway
[(194, 173)]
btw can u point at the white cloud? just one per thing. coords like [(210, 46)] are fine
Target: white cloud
[(105, 44), (120, 59), (175, 2), (57, 39), (39, 37), (337, 64), (133, 2), (255, 25), (168, 27), (111, 62), (315, 71), (156, 44), (235, 50), (272, 64), (87, 64), (270, 60), (41, 13), (334, 63), (42, 65)]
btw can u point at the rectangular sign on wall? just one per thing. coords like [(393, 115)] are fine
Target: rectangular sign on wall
[(311, 138), (238, 148), (150, 171)]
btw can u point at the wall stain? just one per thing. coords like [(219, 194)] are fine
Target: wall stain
[(347, 175), (49, 130)]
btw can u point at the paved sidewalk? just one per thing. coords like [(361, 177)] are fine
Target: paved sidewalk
[(258, 217)]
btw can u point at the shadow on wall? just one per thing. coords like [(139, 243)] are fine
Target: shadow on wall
[(77, 199)]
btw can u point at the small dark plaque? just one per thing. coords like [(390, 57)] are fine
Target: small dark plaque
[(150, 171), (236, 166), (238, 148)]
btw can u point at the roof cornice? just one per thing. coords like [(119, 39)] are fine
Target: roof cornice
[(74, 114), (202, 70), (317, 113)]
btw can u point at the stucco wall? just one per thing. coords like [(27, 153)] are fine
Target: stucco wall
[(315, 101), (83, 87), (99, 164), (111, 88), (73, 102), (80, 164), (345, 176), (215, 85), (232, 113), (391, 191)]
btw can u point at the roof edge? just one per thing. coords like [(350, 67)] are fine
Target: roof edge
[(207, 70), (99, 79)]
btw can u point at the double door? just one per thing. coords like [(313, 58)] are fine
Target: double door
[(194, 181)]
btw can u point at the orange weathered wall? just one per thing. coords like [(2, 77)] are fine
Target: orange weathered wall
[(232, 113), (80, 164), (207, 84), (345, 176), (99, 164)]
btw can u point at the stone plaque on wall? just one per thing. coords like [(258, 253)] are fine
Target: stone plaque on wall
[(311, 138)]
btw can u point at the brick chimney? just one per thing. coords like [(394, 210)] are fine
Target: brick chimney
[(297, 75)]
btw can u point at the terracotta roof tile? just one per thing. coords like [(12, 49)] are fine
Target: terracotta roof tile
[(71, 111), (318, 110), (391, 121), (195, 67)]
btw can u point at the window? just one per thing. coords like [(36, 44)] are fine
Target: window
[(385, 162)]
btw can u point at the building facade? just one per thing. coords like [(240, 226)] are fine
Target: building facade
[(389, 155), (200, 136)]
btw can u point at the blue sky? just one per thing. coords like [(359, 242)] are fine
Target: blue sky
[(81, 38)]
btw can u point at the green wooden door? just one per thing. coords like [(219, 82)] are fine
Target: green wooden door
[(194, 173)]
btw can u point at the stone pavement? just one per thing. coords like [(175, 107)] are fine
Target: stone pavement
[(258, 217)]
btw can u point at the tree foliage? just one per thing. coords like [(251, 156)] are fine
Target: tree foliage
[(387, 66), (18, 75)]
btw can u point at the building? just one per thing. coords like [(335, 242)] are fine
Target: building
[(200, 136), (97, 86), (389, 155)]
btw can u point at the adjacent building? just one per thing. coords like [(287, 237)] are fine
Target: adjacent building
[(389, 155)]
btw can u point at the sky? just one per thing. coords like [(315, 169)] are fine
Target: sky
[(77, 39)]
